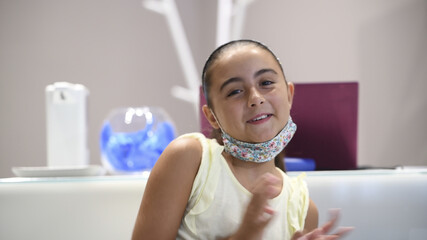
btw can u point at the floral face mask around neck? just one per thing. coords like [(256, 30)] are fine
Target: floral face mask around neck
[(259, 152)]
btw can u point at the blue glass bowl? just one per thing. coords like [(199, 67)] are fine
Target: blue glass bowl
[(132, 139)]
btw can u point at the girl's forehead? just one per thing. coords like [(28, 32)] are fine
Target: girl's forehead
[(243, 51), (243, 58)]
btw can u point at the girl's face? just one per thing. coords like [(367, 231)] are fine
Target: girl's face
[(249, 95)]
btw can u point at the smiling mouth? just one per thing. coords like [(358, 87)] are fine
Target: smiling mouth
[(260, 118)]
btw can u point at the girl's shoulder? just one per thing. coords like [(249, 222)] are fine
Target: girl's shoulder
[(199, 143), (190, 147), (185, 148), (187, 143)]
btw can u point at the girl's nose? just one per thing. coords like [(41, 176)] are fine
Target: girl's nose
[(255, 98)]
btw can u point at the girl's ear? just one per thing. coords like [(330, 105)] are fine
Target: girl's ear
[(210, 117), (291, 90)]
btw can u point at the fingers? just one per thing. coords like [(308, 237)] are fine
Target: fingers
[(265, 216), (315, 234), (267, 187), (334, 214), (342, 231), (297, 235), (321, 233), (265, 181), (258, 212)]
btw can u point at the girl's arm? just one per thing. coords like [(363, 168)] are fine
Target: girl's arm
[(312, 219), (167, 191)]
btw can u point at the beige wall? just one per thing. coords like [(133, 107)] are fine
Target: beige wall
[(381, 44), (124, 54)]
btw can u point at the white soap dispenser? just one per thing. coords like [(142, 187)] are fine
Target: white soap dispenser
[(66, 125)]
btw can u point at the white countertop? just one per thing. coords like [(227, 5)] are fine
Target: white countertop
[(380, 204)]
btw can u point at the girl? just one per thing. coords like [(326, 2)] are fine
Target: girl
[(230, 188)]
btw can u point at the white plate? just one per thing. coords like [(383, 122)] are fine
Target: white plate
[(91, 170)]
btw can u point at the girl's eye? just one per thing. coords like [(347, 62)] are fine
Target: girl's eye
[(234, 92), (266, 83)]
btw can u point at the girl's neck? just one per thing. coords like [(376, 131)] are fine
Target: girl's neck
[(247, 173)]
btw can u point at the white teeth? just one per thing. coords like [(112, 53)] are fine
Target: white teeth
[(259, 118)]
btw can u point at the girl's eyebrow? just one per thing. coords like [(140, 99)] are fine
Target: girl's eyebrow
[(237, 79), (264, 70), (231, 80)]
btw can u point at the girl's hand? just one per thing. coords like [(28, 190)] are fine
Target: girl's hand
[(259, 213), (321, 233)]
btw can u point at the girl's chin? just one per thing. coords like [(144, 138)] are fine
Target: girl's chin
[(257, 136)]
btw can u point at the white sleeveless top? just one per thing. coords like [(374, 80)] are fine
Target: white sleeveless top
[(218, 201)]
